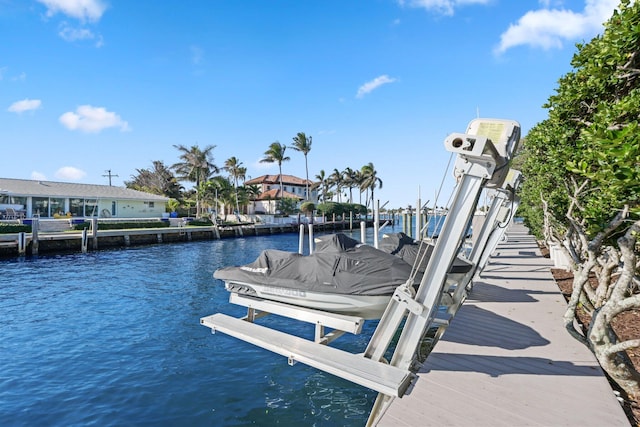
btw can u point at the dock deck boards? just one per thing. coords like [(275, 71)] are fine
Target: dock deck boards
[(506, 359)]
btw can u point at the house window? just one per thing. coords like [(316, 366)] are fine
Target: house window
[(76, 207), (41, 206), (91, 207), (151, 204), (57, 206)]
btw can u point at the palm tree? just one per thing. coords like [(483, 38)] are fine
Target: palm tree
[(337, 180), (323, 182), (349, 176), (303, 144), (275, 154), (219, 190), (196, 166), (236, 171), (357, 181), (370, 180)]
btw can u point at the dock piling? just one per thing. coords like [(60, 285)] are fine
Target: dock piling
[(34, 236), (85, 240), (22, 243)]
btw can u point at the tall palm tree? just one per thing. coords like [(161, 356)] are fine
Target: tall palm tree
[(350, 181), (323, 182), (302, 143), (236, 172), (370, 180), (275, 154), (357, 181), (337, 180), (196, 165)]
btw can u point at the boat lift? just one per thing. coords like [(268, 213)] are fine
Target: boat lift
[(483, 156)]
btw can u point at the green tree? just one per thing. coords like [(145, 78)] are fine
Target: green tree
[(158, 179), (287, 205), (336, 179), (581, 188), (195, 165), (350, 181), (236, 171), (275, 154), (302, 143), (219, 192), (323, 183), (370, 180)]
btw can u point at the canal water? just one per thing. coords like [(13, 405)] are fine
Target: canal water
[(113, 338)]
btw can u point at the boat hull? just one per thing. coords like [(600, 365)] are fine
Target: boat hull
[(366, 306)]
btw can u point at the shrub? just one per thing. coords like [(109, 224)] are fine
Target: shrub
[(201, 222), (14, 228)]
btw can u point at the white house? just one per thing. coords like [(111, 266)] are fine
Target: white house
[(293, 188), (47, 198)]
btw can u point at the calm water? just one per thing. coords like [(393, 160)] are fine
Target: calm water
[(113, 338)]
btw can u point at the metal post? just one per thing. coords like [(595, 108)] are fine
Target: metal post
[(301, 240), (311, 239), (376, 224), (363, 232)]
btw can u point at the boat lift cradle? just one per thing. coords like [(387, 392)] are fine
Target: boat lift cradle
[(483, 155)]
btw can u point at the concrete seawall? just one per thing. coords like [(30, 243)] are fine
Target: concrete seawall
[(73, 241)]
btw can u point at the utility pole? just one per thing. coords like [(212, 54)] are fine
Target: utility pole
[(109, 174)]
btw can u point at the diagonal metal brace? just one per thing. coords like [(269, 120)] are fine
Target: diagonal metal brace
[(405, 296)]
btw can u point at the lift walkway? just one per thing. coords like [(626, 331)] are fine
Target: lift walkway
[(506, 359)]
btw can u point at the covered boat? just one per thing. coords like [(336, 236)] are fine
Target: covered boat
[(342, 276), (417, 254)]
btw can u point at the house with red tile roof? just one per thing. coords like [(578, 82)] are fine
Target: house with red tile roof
[(293, 188)]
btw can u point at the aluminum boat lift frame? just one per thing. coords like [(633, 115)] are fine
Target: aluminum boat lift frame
[(483, 155)]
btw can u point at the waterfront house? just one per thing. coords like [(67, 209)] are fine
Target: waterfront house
[(49, 199), (269, 185)]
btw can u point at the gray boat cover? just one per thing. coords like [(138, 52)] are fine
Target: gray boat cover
[(339, 265), (403, 246)]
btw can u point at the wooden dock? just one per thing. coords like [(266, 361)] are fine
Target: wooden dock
[(506, 359)]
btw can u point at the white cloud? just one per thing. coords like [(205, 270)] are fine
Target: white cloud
[(83, 10), (69, 173), (444, 7), (550, 28), (92, 119), (374, 84), (38, 176), (24, 105), (72, 34)]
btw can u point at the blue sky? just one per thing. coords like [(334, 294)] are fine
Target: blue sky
[(88, 86)]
